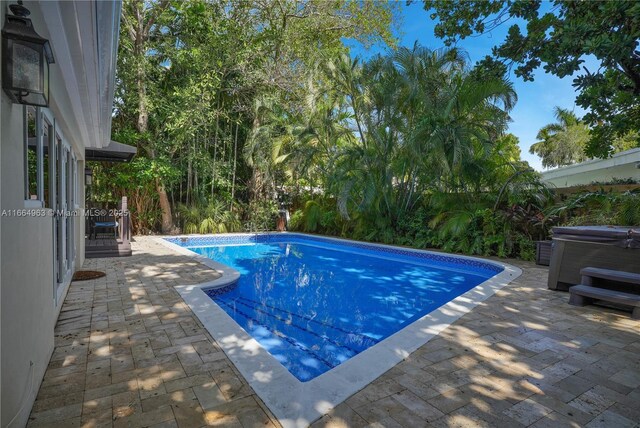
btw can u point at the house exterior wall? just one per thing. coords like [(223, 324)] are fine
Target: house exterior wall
[(30, 299), (28, 310), (600, 176), (623, 165), (84, 39)]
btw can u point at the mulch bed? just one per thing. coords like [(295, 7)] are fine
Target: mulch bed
[(85, 275)]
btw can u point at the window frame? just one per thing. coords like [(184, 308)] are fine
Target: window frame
[(28, 202), (43, 117), (49, 121)]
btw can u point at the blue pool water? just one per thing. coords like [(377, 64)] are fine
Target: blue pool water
[(314, 304)]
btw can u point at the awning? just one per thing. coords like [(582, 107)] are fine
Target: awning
[(114, 152)]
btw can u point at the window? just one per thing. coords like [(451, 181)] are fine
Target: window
[(75, 182), (38, 157), (47, 148), (30, 153)]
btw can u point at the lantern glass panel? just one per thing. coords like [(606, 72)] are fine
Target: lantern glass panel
[(45, 81), (26, 67)]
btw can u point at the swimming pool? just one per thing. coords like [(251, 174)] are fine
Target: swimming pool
[(332, 314)]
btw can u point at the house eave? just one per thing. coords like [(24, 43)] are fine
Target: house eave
[(84, 39)]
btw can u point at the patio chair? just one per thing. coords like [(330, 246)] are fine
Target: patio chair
[(104, 223)]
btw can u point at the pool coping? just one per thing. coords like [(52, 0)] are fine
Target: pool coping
[(298, 404)]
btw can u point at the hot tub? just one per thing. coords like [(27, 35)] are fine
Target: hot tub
[(609, 247)]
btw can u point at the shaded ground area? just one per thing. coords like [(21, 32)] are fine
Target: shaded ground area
[(129, 352)]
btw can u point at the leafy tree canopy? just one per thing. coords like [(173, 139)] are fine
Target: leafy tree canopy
[(196, 79), (563, 142), (558, 40), (507, 148)]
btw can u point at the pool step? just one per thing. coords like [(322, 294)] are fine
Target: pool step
[(314, 343), (357, 342), (288, 321)]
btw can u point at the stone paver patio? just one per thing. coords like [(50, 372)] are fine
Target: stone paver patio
[(129, 352)]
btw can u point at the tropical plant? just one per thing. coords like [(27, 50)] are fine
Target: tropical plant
[(559, 36), (198, 81), (563, 142), (422, 121), (243, 108), (261, 216), (598, 208)]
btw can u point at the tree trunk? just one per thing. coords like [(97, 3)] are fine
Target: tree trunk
[(141, 33), (235, 157), (165, 207), (189, 186), (256, 182), (215, 149), (196, 185)]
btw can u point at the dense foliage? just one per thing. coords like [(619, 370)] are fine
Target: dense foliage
[(562, 143), (239, 109), (427, 164), (193, 80), (565, 142), (598, 208), (559, 36)]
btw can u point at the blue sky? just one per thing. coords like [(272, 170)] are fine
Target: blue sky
[(536, 100)]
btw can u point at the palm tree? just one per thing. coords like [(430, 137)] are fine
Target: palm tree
[(421, 119), (562, 143), (267, 147)]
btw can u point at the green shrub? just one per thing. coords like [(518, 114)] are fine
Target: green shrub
[(598, 208), (296, 221), (261, 216)]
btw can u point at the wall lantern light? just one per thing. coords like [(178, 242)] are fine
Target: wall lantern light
[(25, 59), (88, 176)]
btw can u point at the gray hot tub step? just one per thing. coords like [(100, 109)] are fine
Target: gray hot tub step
[(609, 274), (581, 295)]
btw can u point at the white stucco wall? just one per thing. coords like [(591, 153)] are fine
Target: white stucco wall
[(28, 312), (83, 37), (600, 176), (28, 309), (622, 165)]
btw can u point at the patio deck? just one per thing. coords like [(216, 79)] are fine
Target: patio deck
[(129, 352), (105, 244), (106, 247)]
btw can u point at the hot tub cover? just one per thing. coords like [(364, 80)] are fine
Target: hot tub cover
[(620, 236)]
